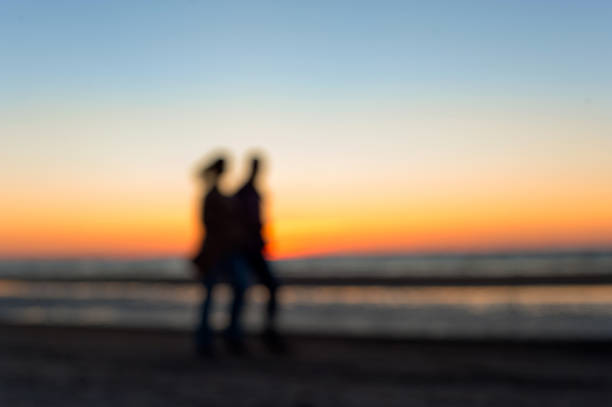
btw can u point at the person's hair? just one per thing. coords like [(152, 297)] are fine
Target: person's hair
[(215, 168)]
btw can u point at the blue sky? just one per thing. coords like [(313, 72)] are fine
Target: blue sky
[(156, 50), (475, 107)]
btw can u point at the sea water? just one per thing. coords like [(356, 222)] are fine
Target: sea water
[(507, 312), (446, 265)]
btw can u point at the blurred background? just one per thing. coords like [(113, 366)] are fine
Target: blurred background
[(434, 170), (402, 139)]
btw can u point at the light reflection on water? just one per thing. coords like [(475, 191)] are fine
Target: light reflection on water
[(383, 295), (508, 311)]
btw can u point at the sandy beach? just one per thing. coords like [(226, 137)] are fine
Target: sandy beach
[(75, 366)]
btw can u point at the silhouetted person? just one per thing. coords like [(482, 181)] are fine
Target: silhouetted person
[(249, 201), (220, 258)]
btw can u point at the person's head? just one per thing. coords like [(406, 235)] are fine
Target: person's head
[(254, 166), (212, 172), (255, 161)]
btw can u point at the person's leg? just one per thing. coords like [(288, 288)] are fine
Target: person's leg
[(239, 280), (262, 270), (204, 333)]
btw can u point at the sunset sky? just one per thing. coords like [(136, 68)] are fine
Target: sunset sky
[(389, 126)]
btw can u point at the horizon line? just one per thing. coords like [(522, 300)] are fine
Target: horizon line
[(541, 251)]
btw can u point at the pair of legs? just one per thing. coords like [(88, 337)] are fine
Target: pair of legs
[(234, 269)]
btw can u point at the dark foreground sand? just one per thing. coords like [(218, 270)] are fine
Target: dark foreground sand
[(63, 366)]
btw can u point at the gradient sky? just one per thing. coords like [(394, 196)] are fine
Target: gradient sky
[(389, 126)]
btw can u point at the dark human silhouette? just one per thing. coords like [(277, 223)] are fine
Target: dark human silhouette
[(248, 200), (220, 258)]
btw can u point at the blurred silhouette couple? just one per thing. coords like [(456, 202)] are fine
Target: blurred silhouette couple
[(232, 251)]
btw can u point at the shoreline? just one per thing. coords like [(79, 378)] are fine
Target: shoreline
[(466, 281)]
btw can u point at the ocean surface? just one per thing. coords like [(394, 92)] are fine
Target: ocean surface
[(32, 292), (451, 265)]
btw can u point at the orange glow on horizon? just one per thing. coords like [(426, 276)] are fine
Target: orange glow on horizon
[(332, 227)]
